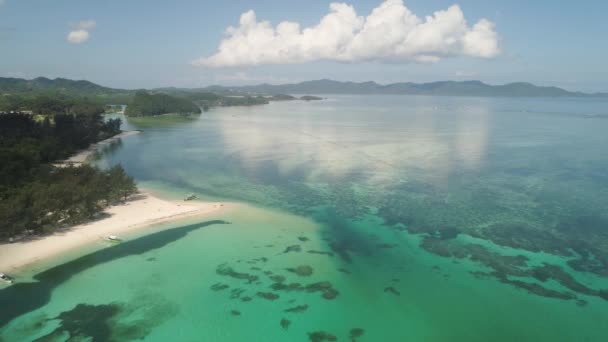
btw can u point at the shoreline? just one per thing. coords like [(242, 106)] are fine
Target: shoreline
[(142, 212), (82, 156)]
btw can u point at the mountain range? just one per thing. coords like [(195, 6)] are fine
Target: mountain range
[(442, 88), (324, 86)]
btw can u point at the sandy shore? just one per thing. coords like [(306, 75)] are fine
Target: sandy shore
[(82, 156), (144, 211)]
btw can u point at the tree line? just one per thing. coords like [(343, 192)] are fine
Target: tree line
[(36, 196), (147, 104)]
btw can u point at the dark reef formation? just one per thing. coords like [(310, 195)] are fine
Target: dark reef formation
[(268, 295), (320, 336), (355, 333), (297, 309), (225, 270), (302, 270)]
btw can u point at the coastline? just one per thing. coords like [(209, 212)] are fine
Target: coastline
[(83, 156), (141, 212)]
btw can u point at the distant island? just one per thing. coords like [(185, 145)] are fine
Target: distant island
[(442, 88), (181, 100), (33, 96), (146, 104)]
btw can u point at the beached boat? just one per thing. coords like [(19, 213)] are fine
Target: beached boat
[(5, 278), (190, 197), (112, 238)]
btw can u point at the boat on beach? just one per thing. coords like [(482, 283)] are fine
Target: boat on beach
[(112, 238), (6, 278), (190, 197)]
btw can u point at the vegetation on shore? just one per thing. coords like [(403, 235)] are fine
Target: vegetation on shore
[(310, 98), (37, 197), (146, 104)]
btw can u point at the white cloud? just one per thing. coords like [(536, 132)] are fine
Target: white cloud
[(391, 33), (81, 32), (78, 36)]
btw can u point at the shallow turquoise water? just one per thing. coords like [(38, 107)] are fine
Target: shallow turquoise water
[(352, 177)]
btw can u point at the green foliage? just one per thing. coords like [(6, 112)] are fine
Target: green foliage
[(64, 87), (35, 196), (61, 196), (146, 104), (229, 101), (49, 105)]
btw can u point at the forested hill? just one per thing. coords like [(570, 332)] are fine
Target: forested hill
[(442, 88), (66, 87), (146, 104), (223, 95)]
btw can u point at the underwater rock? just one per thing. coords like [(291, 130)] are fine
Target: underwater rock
[(522, 236), (548, 271), (219, 286), (297, 309), (292, 248), (330, 294), (235, 312), (225, 270), (303, 238), (285, 323), (84, 321), (320, 336), (321, 253), (318, 286), (277, 278), (236, 293), (268, 295), (294, 286), (392, 290), (538, 289), (325, 287), (355, 333), (302, 270)]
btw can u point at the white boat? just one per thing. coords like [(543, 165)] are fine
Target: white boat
[(5, 278), (112, 238), (190, 197)]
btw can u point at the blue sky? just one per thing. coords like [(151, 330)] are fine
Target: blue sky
[(149, 43)]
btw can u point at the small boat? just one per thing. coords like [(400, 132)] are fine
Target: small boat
[(5, 278), (112, 238), (190, 197)]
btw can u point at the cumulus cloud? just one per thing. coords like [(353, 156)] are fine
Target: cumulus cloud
[(81, 31), (390, 33)]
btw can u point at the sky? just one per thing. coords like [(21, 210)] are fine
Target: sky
[(190, 43)]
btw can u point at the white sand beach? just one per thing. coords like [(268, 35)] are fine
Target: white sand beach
[(144, 211)]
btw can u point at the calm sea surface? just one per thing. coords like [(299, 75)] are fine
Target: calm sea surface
[(369, 218)]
